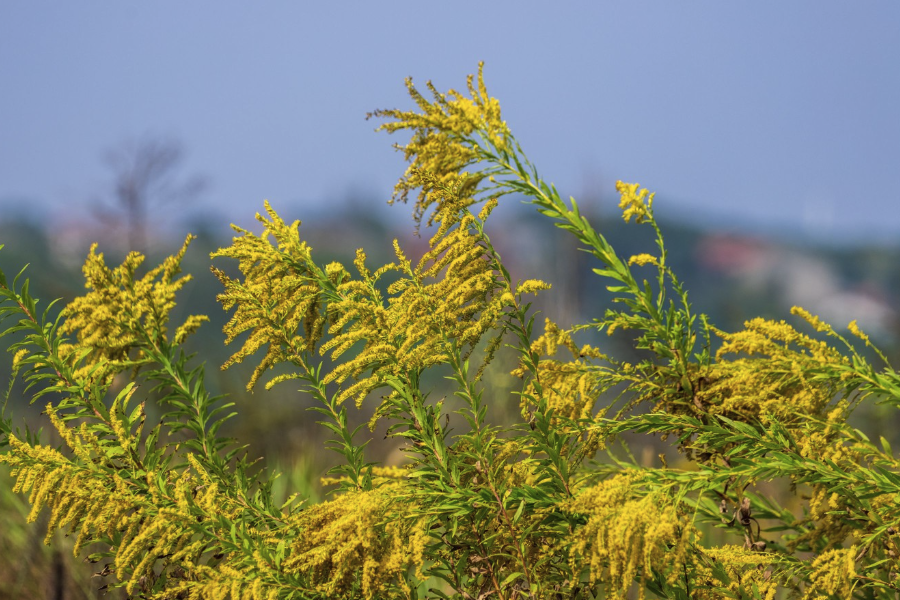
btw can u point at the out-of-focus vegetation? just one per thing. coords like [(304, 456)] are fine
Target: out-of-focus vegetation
[(730, 277)]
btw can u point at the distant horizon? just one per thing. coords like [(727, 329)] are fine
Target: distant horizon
[(399, 218), (783, 114)]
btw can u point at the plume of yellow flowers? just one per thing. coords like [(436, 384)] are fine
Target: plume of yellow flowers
[(744, 568), (628, 535), (834, 574), (635, 202), (643, 259), (351, 534), (775, 377), (123, 312), (445, 137), (279, 293), (450, 299), (571, 387), (149, 519)]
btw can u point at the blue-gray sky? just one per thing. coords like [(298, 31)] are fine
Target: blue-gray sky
[(774, 113)]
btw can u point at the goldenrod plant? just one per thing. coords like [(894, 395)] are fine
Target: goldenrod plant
[(550, 507)]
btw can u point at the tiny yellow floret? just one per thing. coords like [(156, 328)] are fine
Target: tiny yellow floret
[(810, 318), (532, 286), (643, 259), (635, 202), (855, 330)]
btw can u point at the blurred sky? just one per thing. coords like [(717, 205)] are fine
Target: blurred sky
[(768, 113)]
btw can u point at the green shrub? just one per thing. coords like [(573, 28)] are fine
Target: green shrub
[(491, 512)]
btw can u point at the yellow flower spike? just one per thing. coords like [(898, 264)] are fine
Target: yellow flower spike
[(855, 330), (20, 355), (834, 573), (70, 436), (121, 310), (191, 324), (643, 259), (405, 265), (336, 272), (773, 380), (627, 534), (532, 286), (810, 318), (343, 537), (360, 264), (487, 209), (634, 202), (441, 147), (279, 292), (124, 436), (198, 469)]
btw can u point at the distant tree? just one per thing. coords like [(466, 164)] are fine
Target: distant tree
[(145, 175)]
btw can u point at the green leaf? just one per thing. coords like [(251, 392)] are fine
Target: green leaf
[(886, 446), (510, 578), (519, 511)]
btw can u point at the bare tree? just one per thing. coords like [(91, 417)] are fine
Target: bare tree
[(145, 177)]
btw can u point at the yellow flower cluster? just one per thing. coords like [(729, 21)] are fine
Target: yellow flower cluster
[(744, 567), (635, 202), (441, 148), (817, 323), (627, 535), (571, 387), (353, 534), (224, 583), (777, 379), (122, 312), (834, 529), (280, 292), (643, 259), (820, 440), (147, 524), (855, 330), (452, 297), (531, 286), (833, 574)]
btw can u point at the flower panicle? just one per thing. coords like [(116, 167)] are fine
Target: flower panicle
[(280, 299), (447, 140), (629, 533), (451, 294), (121, 312), (635, 202)]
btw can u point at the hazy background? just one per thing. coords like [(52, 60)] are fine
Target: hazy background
[(769, 130), (764, 115)]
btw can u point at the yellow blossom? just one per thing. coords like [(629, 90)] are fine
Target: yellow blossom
[(20, 354), (532, 286), (628, 535), (634, 202), (643, 259), (810, 318), (443, 143), (834, 573), (855, 330), (122, 312)]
